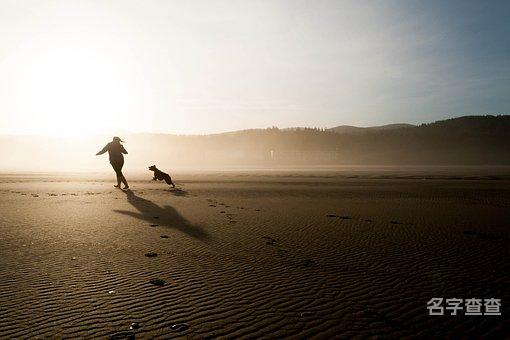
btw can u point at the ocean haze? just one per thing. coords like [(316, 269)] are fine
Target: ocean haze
[(470, 140)]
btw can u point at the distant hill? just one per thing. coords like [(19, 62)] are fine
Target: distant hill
[(469, 140), (355, 129)]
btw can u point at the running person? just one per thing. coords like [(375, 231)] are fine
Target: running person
[(115, 152)]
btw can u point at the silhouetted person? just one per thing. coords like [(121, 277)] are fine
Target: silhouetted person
[(115, 152)]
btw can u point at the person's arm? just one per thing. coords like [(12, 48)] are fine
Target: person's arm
[(102, 151), (123, 150)]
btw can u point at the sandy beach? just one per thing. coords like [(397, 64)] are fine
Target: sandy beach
[(256, 255)]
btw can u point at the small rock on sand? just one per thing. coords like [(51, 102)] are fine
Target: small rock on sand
[(179, 327)]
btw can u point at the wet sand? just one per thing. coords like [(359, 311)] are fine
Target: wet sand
[(251, 255)]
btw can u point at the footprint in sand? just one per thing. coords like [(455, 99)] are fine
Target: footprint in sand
[(307, 263), (222, 212), (212, 205), (151, 254), (35, 195), (282, 252), (157, 282), (154, 225), (164, 236), (122, 335), (338, 216), (269, 240), (306, 314)]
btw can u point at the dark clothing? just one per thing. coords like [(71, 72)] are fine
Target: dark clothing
[(117, 166), (115, 153)]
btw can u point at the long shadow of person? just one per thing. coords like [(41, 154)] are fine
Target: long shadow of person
[(167, 216)]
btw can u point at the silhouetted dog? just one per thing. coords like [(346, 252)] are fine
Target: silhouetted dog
[(160, 175)]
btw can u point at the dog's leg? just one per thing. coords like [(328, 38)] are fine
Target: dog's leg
[(168, 181)]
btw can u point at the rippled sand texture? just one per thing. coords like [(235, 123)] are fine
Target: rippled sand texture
[(250, 256)]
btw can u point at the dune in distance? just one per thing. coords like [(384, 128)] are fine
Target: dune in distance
[(274, 233)]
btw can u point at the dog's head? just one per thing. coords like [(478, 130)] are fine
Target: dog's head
[(152, 167)]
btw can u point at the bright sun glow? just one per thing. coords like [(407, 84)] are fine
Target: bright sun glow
[(76, 93), (74, 81)]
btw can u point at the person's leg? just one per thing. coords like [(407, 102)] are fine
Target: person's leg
[(118, 172), (122, 178)]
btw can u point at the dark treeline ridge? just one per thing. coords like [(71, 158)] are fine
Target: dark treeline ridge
[(469, 140)]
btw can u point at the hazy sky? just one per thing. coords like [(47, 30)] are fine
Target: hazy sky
[(73, 67)]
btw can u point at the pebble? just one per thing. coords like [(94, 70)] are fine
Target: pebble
[(179, 327), (134, 325)]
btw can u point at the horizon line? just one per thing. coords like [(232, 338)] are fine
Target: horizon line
[(130, 132)]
